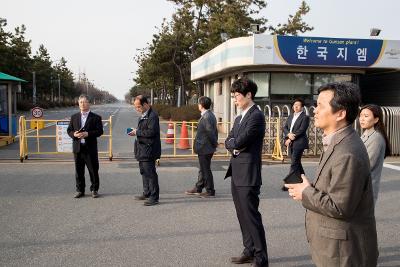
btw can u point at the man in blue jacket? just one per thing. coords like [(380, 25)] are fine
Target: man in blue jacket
[(147, 149)]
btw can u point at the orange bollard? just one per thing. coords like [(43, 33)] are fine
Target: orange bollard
[(184, 142), (170, 133)]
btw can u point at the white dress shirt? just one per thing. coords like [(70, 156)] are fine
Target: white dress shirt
[(295, 117), (244, 113), (84, 116)]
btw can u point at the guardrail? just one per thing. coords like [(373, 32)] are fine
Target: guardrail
[(25, 137)]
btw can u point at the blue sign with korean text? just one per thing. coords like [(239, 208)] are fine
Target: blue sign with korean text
[(328, 51)]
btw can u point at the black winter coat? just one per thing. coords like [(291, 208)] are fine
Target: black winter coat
[(148, 144)]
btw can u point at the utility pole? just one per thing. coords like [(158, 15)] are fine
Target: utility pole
[(59, 88), (34, 89)]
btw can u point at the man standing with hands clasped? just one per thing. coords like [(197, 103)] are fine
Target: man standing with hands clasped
[(84, 128), (340, 220), (295, 132), (245, 142), (147, 149)]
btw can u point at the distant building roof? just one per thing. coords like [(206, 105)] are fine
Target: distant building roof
[(6, 77)]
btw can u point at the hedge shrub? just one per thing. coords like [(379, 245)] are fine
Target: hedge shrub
[(184, 113)]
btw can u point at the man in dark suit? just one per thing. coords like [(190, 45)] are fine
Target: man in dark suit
[(147, 149), (205, 144), (84, 128), (245, 142), (340, 220), (295, 135)]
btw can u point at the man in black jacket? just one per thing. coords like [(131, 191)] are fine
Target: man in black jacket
[(295, 134), (205, 144), (245, 142), (147, 149), (84, 128)]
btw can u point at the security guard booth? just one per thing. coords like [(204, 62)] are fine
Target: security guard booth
[(9, 86)]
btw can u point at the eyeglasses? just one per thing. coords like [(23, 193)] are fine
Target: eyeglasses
[(238, 95)]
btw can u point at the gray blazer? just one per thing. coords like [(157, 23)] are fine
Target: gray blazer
[(206, 139), (340, 220), (376, 147)]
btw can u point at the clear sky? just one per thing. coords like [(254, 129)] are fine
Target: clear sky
[(101, 38)]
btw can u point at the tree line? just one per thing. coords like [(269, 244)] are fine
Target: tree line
[(195, 28), (51, 76)]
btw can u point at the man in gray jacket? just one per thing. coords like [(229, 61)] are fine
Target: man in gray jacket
[(205, 144), (340, 220)]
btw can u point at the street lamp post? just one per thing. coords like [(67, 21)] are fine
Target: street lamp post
[(87, 86), (59, 88), (34, 88)]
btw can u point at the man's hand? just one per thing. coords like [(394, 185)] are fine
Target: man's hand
[(81, 135), (132, 133), (291, 136), (287, 142), (296, 190)]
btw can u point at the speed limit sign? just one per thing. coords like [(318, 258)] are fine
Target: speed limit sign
[(37, 112)]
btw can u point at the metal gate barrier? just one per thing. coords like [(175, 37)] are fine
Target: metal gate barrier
[(179, 143), (30, 139)]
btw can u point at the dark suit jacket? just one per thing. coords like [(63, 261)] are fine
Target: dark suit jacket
[(148, 144), (245, 168), (299, 129), (93, 126), (340, 220), (206, 139)]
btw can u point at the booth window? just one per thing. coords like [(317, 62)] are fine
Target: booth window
[(211, 90), (321, 79), (219, 85), (3, 100), (262, 81), (290, 83)]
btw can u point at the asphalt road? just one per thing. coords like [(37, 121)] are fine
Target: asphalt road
[(42, 225)]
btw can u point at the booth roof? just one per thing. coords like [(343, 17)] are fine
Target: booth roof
[(6, 77)]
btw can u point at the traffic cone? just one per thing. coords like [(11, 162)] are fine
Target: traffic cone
[(184, 141), (170, 133)]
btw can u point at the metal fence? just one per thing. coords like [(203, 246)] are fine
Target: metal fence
[(391, 119), (180, 142), (43, 135)]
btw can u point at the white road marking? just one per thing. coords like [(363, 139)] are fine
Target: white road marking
[(390, 166)]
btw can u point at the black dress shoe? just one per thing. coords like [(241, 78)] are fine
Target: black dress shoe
[(192, 191), (79, 194), (142, 197), (150, 202), (258, 265), (207, 194), (242, 259), (95, 194)]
